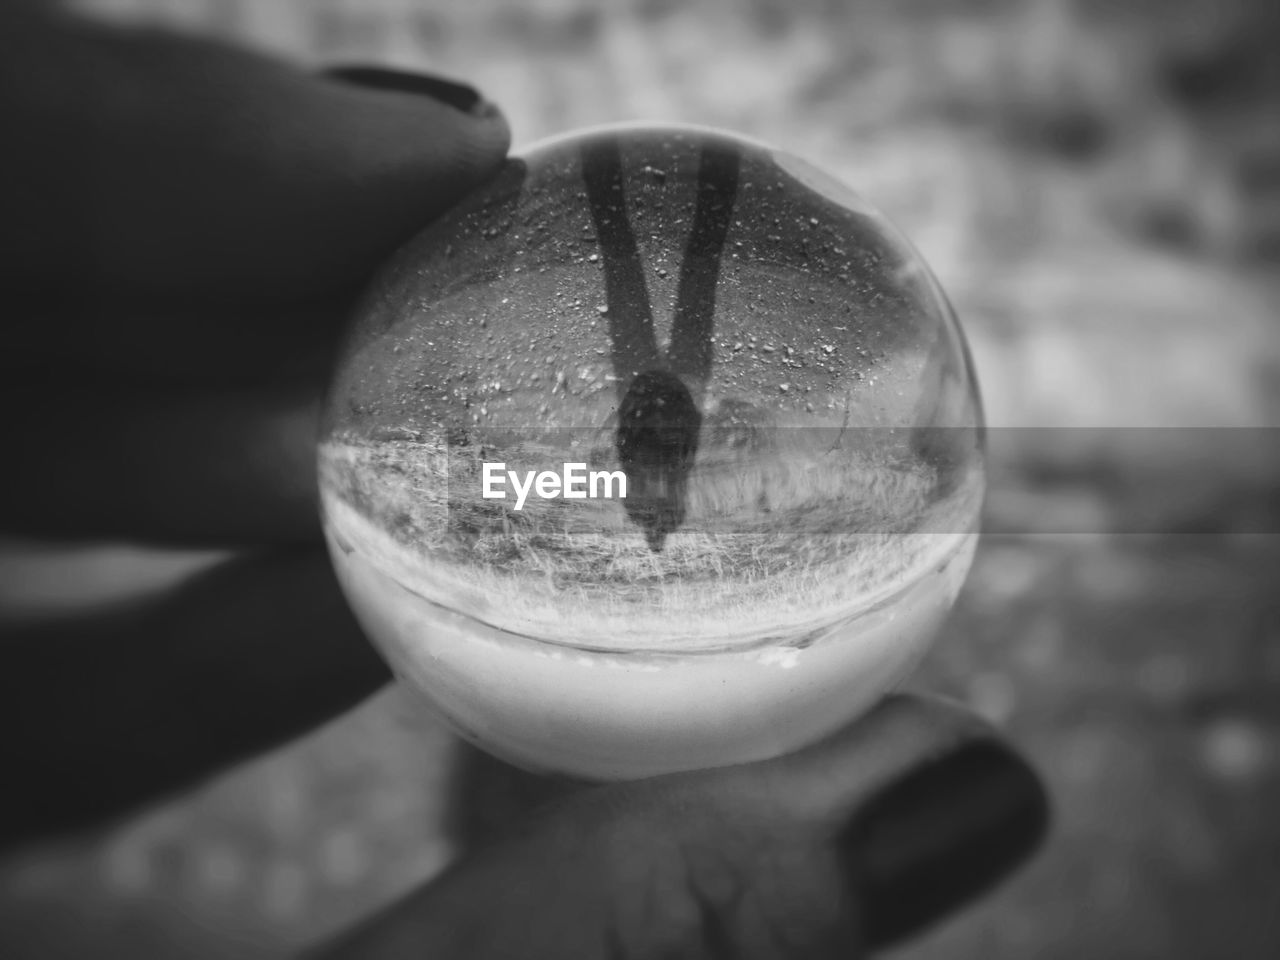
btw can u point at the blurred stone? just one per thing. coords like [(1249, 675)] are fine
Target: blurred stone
[(222, 869), (1004, 573), (285, 892), (1043, 644), (1234, 750), (345, 856), (1166, 678)]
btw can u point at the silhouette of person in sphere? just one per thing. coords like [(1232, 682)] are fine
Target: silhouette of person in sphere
[(659, 415), (192, 225), (657, 438)]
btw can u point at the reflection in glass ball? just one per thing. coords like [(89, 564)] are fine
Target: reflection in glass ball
[(662, 450)]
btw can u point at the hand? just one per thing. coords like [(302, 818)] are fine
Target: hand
[(193, 223), (842, 848)]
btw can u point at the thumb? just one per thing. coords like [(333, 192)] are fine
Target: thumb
[(840, 848), (154, 163)]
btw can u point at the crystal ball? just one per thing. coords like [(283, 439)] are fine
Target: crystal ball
[(663, 450)]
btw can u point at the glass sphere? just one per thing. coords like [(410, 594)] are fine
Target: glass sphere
[(663, 450)]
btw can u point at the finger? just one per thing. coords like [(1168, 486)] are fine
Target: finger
[(107, 713), (936, 810), (159, 165), (213, 466), (823, 854)]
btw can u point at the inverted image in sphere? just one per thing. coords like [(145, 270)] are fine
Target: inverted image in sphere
[(655, 398)]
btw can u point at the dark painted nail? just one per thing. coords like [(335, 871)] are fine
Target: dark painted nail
[(940, 836), (460, 96)]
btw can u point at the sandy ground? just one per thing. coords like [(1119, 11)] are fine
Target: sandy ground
[(1096, 186)]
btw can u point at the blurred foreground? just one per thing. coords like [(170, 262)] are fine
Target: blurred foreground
[(1098, 188)]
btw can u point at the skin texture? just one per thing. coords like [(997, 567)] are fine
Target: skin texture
[(193, 224)]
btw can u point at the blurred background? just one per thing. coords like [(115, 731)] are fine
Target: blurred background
[(1097, 185)]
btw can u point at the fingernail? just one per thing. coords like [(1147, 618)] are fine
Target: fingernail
[(460, 96), (940, 836)]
